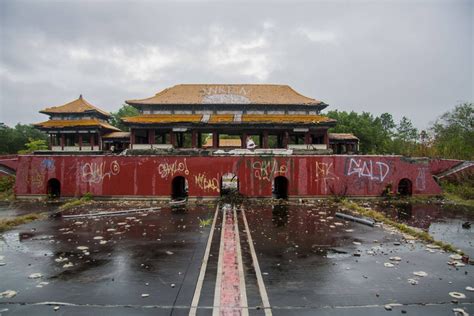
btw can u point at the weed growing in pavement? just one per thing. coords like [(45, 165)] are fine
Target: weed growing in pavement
[(205, 222), (379, 217), (9, 223)]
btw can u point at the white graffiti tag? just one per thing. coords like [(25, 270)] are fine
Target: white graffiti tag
[(421, 179), (368, 169), (96, 172), (265, 170), (166, 169)]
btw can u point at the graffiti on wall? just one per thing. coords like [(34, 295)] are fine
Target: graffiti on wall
[(94, 172), (265, 170), (37, 179), (225, 95), (367, 168), (205, 183), (421, 179), (47, 164), (166, 169), (324, 174)]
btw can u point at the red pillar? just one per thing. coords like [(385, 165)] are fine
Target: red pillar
[(151, 136), (307, 138), (80, 141), (172, 139), (62, 141), (285, 139), (265, 139), (92, 141), (194, 139), (215, 140), (243, 140), (326, 138), (132, 137)]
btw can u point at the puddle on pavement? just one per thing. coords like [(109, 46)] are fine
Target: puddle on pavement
[(443, 222)]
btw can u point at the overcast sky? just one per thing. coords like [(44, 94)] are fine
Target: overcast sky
[(412, 58)]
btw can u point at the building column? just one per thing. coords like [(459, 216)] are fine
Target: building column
[(80, 141), (215, 139), (194, 135), (172, 139), (132, 137), (50, 141), (243, 140), (151, 136), (307, 138), (265, 140), (92, 141), (62, 141), (285, 139), (326, 138)]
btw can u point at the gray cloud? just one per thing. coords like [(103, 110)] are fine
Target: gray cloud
[(404, 57)]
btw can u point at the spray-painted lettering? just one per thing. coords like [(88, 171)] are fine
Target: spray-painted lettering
[(96, 172), (265, 170), (421, 179), (166, 169), (324, 174), (368, 169), (205, 183)]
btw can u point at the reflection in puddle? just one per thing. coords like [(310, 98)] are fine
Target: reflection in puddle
[(280, 215)]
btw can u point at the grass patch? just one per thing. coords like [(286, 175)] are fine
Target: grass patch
[(460, 191), (87, 197), (9, 223), (205, 222), (6, 188), (379, 217)]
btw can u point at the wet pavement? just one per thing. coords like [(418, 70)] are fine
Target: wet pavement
[(310, 262)]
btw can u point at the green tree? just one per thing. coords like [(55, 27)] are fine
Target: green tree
[(454, 133), (14, 139), (125, 111), (34, 144)]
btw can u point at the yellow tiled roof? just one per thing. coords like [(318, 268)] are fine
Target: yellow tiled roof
[(163, 118), (227, 118), (342, 136), (75, 123), (117, 135), (284, 118), (80, 105), (227, 94), (221, 118)]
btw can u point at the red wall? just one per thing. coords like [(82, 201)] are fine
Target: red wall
[(152, 175)]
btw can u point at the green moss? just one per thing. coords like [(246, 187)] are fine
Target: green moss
[(7, 185), (85, 199), (9, 223), (379, 217), (205, 222)]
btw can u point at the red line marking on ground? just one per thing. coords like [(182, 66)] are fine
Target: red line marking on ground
[(230, 284)]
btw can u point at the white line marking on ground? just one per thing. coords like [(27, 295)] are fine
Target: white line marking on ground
[(220, 263), (202, 272), (258, 273), (243, 290)]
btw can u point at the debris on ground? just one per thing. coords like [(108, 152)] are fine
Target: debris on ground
[(35, 276), (457, 295), (420, 273), (8, 294)]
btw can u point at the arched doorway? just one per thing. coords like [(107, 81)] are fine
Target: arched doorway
[(229, 184), (53, 188), (280, 187), (405, 187), (179, 188)]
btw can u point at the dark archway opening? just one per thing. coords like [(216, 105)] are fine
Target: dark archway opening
[(229, 184), (405, 187), (54, 188), (179, 188), (280, 188)]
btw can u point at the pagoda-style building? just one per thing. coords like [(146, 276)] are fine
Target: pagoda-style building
[(202, 115), (344, 143), (76, 126)]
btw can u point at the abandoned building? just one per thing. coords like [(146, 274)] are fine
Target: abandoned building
[(200, 116), (201, 140), (76, 126)]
